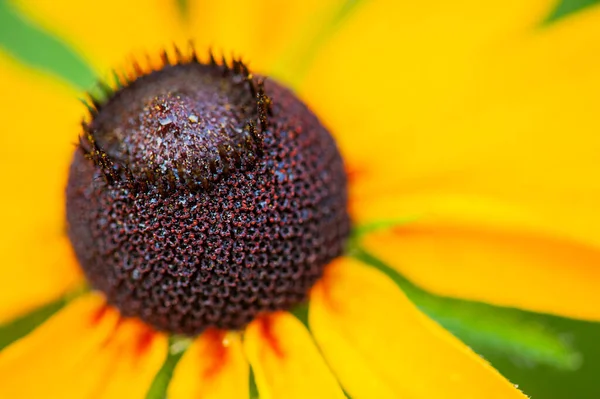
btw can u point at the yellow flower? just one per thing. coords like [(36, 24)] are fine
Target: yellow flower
[(465, 119)]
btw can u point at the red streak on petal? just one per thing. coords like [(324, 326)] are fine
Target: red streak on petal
[(265, 324), (144, 341), (326, 285), (214, 351), (407, 230), (115, 328), (99, 314), (356, 172)]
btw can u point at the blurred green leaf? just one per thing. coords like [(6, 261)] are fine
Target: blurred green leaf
[(567, 7), (184, 8), (294, 64), (40, 49), (22, 326), (177, 347), (301, 313), (513, 333), (376, 225), (549, 382), (252, 386)]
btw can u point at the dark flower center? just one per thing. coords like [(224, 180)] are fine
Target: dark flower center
[(200, 197)]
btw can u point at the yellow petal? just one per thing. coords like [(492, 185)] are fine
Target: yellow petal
[(40, 119), (214, 366), (396, 68), (285, 361), (125, 366), (261, 32), (54, 348), (380, 346), (508, 268), (523, 144), (84, 351), (505, 196), (108, 32)]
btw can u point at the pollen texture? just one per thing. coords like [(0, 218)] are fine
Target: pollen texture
[(200, 196)]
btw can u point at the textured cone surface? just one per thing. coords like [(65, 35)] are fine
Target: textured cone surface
[(189, 207)]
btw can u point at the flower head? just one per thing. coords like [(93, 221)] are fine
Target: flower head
[(196, 200)]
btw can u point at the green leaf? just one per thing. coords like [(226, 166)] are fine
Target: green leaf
[(518, 335), (184, 9), (295, 63), (377, 225), (22, 326), (551, 383), (252, 386), (301, 313), (568, 7), (40, 49), (177, 347)]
